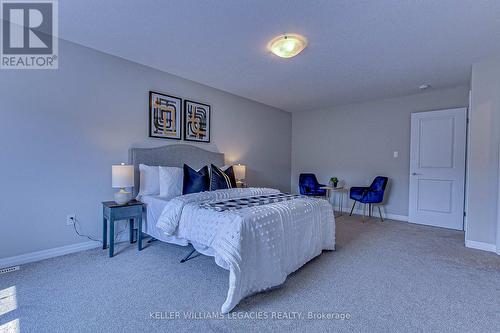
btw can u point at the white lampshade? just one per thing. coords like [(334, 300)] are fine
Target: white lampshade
[(122, 176), (239, 171)]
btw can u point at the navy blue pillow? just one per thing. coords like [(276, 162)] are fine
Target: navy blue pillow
[(220, 180), (230, 173), (195, 181)]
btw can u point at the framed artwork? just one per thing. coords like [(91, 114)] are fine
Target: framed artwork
[(165, 116), (196, 121)]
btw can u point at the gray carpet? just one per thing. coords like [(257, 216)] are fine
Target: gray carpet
[(388, 276)]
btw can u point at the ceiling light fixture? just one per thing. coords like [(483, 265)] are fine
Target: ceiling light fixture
[(424, 86), (288, 45)]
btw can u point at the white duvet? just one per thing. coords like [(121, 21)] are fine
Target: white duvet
[(259, 245)]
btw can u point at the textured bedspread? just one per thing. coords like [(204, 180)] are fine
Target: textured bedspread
[(260, 245)]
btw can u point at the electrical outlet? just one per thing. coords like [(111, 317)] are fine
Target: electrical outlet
[(70, 219)]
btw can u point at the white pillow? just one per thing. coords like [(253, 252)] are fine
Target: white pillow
[(171, 180), (150, 180)]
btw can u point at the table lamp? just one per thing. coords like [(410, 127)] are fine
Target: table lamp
[(122, 177), (240, 174)]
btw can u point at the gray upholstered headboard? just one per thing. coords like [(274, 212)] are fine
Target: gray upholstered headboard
[(172, 155)]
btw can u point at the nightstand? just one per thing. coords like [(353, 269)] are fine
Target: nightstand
[(111, 211)]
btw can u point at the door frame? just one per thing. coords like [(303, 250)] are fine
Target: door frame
[(498, 212), (467, 172), (466, 167), (469, 243)]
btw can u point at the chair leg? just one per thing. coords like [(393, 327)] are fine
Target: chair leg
[(352, 209), (364, 213), (380, 213), (369, 210)]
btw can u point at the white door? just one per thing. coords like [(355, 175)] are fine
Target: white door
[(437, 168)]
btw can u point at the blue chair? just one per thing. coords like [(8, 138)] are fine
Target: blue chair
[(308, 185), (374, 194)]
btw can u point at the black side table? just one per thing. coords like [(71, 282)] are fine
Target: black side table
[(111, 211)]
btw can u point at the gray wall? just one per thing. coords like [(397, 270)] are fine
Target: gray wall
[(484, 145), (61, 130), (356, 142)]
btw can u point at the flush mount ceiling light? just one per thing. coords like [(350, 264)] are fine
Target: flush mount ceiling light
[(287, 46)]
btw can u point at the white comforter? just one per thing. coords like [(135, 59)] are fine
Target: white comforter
[(259, 245)]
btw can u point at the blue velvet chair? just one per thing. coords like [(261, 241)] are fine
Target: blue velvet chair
[(374, 194), (309, 185)]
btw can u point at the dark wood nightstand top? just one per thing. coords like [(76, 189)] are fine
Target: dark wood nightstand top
[(112, 204)]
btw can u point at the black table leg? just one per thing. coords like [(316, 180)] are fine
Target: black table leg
[(111, 237), (131, 230), (104, 233), (139, 233)]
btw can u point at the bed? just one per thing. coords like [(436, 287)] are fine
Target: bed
[(259, 243)]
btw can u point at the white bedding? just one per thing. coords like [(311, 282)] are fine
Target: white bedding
[(259, 245), (154, 207)]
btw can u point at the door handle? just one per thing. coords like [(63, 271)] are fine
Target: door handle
[(416, 174)]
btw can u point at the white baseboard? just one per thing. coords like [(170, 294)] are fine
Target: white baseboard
[(481, 246), (121, 235), (46, 254), (389, 216), (397, 217)]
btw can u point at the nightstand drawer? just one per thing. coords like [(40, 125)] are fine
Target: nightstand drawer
[(124, 212)]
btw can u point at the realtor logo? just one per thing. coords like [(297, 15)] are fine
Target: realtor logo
[(29, 34)]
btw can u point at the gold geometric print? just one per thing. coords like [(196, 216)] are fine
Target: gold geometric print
[(197, 121), (164, 116)]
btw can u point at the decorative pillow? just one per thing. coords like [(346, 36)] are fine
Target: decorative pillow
[(230, 173), (171, 180), (149, 179), (195, 181), (221, 179)]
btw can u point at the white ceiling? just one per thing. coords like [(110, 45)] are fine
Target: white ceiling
[(358, 50)]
